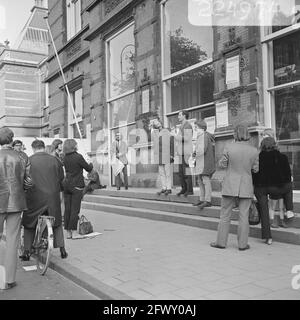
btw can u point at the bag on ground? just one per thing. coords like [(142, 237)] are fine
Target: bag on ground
[(85, 226), (254, 215)]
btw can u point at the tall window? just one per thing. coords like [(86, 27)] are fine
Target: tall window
[(76, 97), (281, 58), (187, 62), (73, 17), (121, 78)]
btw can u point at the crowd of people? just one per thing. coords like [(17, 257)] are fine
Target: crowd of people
[(34, 186), (265, 173)]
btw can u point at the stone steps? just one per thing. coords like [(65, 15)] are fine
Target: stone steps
[(146, 205)]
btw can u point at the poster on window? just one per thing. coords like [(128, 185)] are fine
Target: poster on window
[(233, 72), (211, 124), (145, 101), (222, 114)]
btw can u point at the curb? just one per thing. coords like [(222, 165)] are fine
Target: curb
[(91, 284)]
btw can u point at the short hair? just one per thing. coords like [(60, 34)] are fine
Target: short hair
[(69, 146), (201, 124), (185, 113), (241, 132), (268, 144), (6, 136), (56, 143), (38, 144), (17, 142), (269, 132), (49, 149)]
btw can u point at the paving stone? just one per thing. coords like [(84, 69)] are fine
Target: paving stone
[(250, 290), (225, 295)]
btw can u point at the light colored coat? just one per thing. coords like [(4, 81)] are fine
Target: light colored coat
[(123, 149), (239, 159)]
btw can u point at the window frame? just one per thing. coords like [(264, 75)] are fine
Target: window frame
[(165, 78), (74, 20)]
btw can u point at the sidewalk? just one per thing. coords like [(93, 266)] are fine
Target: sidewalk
[(136, 258)]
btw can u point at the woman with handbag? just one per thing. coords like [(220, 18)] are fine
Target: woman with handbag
[(73, 184), (274, 177)]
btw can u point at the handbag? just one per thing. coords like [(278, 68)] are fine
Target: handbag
[(85, 226), (254, 214)]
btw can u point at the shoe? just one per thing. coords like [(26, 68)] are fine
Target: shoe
[(215, 245), (246, 248), (69, 234), (290, 214), (282, 224), (188, 193), (273, 223), (126, 188), (180, 193), (25, 256), (197, 203), (63, 253), (168, 191), (269, 241), (118, 188), (204, 204), (10, 285), (160, 192)]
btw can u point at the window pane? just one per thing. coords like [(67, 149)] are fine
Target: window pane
[(287, 59), (77, 17), (78, 103), (190, 89), (184, 44), (122, 111), (121, 62)]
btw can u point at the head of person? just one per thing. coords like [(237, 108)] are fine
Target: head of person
[(6, 136), (241, 133), (118, 136), (57, 145), (38, 146), (183, 115), (268, 144), (69, 146), (50, 149), (18, 145), (269, 132), (157, 124), (200, 126)]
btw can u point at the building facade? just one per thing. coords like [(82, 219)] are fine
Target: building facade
[(127, 62), (22, 69)]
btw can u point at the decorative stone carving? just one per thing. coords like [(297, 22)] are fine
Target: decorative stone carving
[(111, 4), (73, 49)]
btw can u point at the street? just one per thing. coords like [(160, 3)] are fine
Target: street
[(52, 286)]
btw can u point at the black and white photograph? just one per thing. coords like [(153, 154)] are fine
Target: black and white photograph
[(149, 152)]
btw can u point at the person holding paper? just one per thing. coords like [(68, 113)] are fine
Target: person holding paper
[(119, 151)]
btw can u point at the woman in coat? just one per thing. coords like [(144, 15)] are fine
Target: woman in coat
[(239, 159), (73, 184), (274, 177)]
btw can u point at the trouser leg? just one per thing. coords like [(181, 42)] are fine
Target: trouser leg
[(28, 238), (13, 228), (118, 180), (58, 237), (168, 176), (67, 214), (75, 209), (288, 198), (202, 189), (207, 187), (162, 175), (182, 176), (125, 176), (261, 195), (243, 228), (224, 224)]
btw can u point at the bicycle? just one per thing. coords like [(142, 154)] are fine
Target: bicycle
[(42, 244)]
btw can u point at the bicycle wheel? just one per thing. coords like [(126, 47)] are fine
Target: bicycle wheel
[(44, 248)]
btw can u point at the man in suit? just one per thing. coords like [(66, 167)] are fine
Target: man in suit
[(184, 149), (239, 159), (119, 150), (14, 175)]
